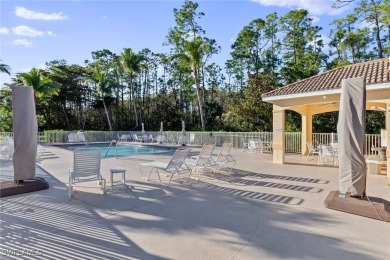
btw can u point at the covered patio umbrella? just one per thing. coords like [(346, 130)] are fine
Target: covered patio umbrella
[(25, 132), (351, 131), (161, 128), (143, 129)]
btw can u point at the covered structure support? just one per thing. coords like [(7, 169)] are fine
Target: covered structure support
[(388, 138), (278, 142)]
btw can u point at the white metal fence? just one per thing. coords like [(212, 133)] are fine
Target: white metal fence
[(293, 139)]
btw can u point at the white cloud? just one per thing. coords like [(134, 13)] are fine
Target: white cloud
[(32, 15), (315, 7), (315, 20), (41, 66), (23, 42), (50, 33), (25, 30), (4, 30)]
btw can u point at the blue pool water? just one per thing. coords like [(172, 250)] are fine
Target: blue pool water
[(122, 150)]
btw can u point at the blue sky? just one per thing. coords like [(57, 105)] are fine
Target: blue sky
[(35, 32)]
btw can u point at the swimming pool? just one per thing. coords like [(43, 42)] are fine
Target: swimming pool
[(122, 150)]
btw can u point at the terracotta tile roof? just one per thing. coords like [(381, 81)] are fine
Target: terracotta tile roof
[(376, 71)]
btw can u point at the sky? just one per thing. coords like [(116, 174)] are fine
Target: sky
[(38, 31)]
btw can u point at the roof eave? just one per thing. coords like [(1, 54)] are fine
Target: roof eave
[(370, 87)]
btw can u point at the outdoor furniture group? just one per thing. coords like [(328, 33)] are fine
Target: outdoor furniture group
[(325, 152), (87, 161), (160, 139), (194, 166), (77, 137), (7, 148), (257, 145)]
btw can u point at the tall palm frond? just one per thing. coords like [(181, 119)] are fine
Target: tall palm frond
[(5, 68), (35, 78)]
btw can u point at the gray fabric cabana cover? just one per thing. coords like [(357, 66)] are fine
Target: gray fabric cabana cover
[(25, 132), (351, 129)]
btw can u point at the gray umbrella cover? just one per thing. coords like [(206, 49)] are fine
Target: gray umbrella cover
[(351, 129), (25, 132)]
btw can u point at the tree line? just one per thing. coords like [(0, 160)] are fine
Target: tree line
[(119, 91)]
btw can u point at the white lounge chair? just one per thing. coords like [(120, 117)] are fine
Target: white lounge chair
[(224, 157), (202, 162), (151, 139), (161, 139), (136, 138), (7, 148), (86, 167), (41, 150), (176, 165), (182, 140), (72, 138), (81, 137)]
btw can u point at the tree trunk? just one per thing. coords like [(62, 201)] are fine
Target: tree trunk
[(66, 115), (378, 39), (107, 115), (134, 102), (199, 100)]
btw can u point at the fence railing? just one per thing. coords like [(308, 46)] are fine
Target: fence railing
[(293, 140)]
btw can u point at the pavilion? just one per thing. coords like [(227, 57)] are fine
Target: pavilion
[(321, 93)]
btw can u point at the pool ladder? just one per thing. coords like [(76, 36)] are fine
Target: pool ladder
[(116, 148)]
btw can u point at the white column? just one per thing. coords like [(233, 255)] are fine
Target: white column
[(388, 139), (307, 130)]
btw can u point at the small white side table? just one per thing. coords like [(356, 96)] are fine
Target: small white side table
[(117, 170)]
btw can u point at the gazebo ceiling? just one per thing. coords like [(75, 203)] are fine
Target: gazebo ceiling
[(376, 74)]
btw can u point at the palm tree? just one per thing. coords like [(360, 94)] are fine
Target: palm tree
[(36, 79), (131, 63), (100, 78), (4, 68), (195, 50)]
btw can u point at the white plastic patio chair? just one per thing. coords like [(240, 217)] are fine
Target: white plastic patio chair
[(224, 157), (266, 146), (312, 151), (326, 153), (176, 165), (202, 162), (86, 167), (253, 146), (244, 144)]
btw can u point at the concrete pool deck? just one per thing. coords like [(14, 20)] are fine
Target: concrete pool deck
[(259, 210)]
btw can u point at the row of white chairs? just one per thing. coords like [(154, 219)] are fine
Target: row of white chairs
[(76, 137), (151, 139), (7, 148), (87, 161), (195, 166)]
